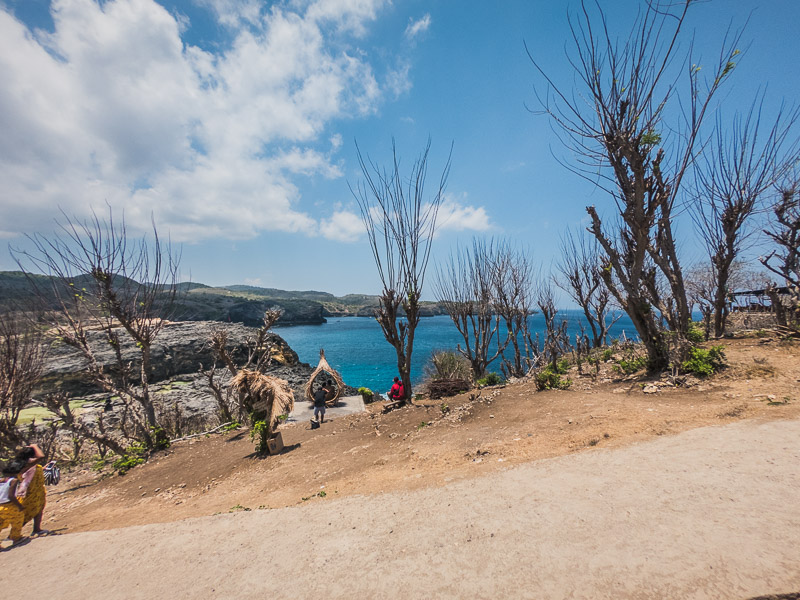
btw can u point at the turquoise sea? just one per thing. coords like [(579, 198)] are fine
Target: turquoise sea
[(355, 346)]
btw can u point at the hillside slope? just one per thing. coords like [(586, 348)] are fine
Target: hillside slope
[(710, 513), (428, 444)]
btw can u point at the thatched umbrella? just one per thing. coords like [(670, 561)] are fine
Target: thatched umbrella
[(323, 368), (264, 394)]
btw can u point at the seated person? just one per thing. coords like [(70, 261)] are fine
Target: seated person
[(397, 393)]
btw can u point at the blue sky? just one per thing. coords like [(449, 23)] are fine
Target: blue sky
[(233, 122)]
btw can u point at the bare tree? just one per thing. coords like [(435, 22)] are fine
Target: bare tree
[(466, 288), (106, 287), (616, 127), (259, 354), (734, 173), (21, 361), (556, 338), (580, 276), (785, 260), (514, 302), (58, 404), (702, 285), (400, 224)]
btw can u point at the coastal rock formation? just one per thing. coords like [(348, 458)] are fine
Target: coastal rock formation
[(177, 355)]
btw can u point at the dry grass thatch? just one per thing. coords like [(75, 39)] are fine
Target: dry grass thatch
[(262, 393), (324, 368)]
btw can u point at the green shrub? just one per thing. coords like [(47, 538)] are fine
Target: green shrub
[(607, 355), (490, 379), (134, 455), (366, 394), (562, 366), (548, 379), (260, 434), (231, 426), (160, 438), (696, 334), (704, 362), (630, 365)]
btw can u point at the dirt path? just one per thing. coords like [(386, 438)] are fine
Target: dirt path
[(708, 513)]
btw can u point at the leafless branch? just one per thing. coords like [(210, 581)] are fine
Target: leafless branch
[(400, 224)]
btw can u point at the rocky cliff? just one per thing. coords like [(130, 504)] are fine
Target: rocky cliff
[(177, 355)]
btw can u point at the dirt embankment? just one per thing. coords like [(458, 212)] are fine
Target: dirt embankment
[(430, 444)]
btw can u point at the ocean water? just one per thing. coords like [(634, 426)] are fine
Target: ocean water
[(355, 346)]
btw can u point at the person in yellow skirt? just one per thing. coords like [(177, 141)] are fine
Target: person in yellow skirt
[(30, 491), (11, 510)]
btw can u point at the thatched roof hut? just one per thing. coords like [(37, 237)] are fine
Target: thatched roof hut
[(263, 394), (325, 371)]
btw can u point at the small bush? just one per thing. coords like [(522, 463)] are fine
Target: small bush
[(490, 379), (630, 365), (440, 388), (260, 434), (448, 364), (366, 394), (160, 438), (134, 455), (607, 355), (695, 335), (704, 362), (548, 379)]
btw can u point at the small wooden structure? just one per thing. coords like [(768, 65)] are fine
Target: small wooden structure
[(756, 301), (390, 406), (322, 371)]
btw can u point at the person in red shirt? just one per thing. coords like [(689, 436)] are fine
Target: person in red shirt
[(397, 392)]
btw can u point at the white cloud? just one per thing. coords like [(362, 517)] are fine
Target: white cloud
[(398, 80), (114, 106), (348, 15), (415, 28), (454, 216), (343, 226), (233, 13)]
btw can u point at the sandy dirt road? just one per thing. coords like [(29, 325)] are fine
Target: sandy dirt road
[(709, 513)]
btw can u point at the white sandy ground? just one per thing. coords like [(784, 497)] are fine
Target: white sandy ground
[(710, 513)]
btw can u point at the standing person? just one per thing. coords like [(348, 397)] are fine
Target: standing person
[(31, 492), (319, 403), (397, 392), (11, 510)]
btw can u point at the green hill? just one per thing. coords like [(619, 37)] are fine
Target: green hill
[(234, 303)]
